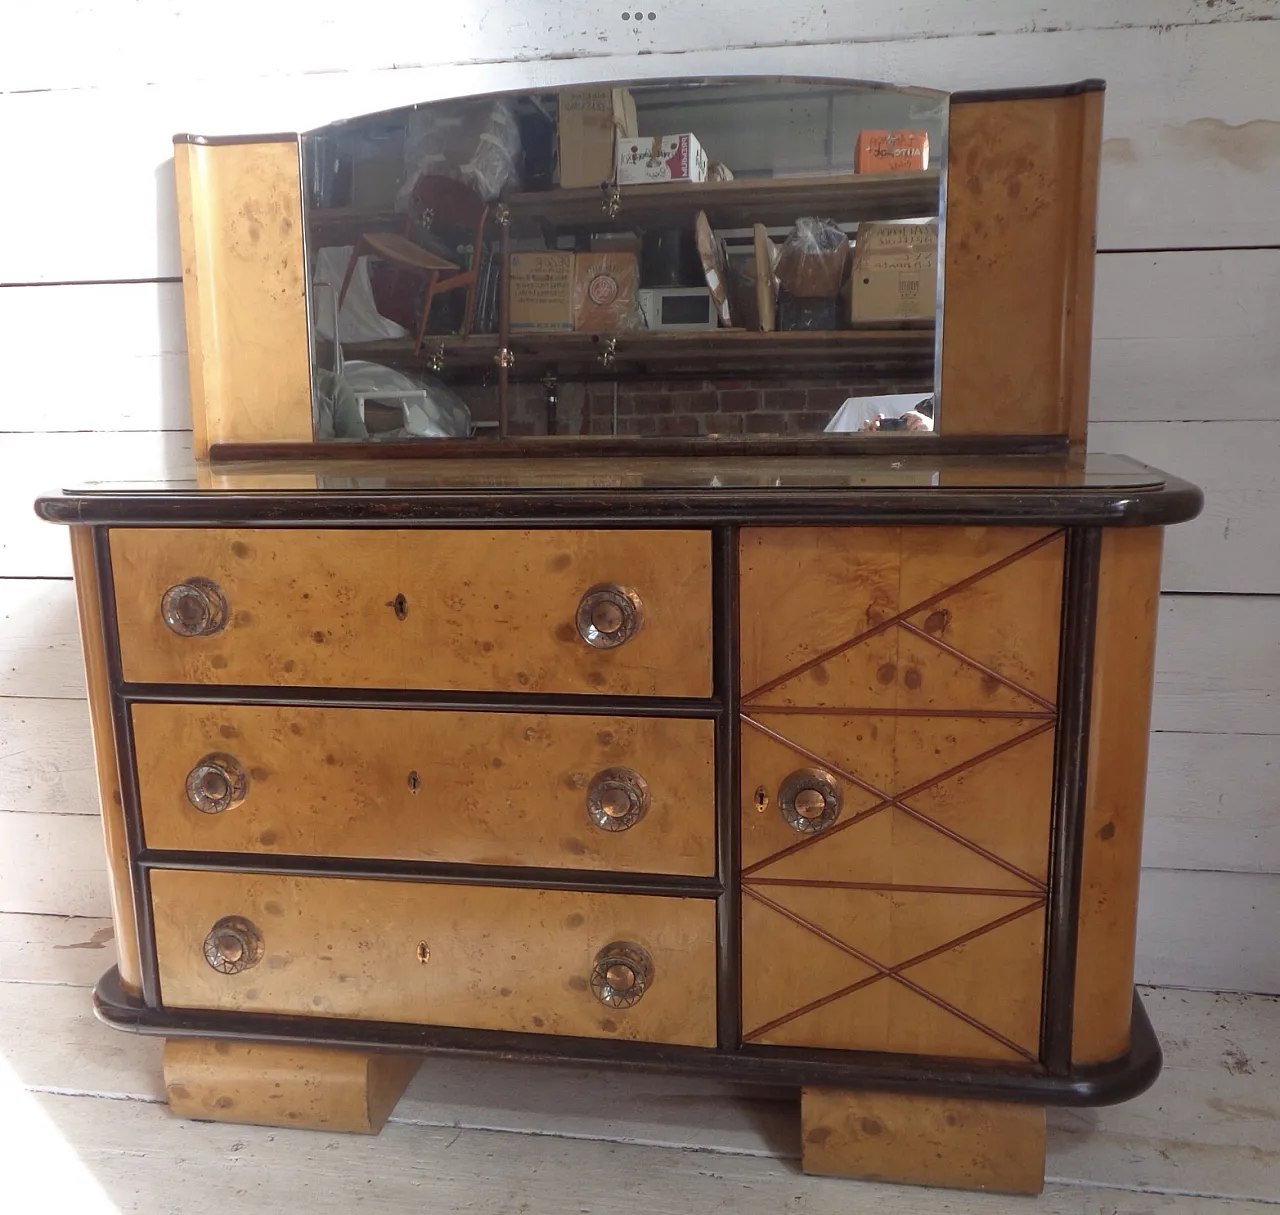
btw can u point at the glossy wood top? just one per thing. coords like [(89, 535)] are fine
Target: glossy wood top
[(1058, 488)]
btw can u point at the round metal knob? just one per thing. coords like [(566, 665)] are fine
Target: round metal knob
[(622, 973), (609, 615), (194, 608), (233, 945), (809, 800), (617, 798), (217, 783)]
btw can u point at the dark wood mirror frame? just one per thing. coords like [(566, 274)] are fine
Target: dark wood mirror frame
[(1019, 197)]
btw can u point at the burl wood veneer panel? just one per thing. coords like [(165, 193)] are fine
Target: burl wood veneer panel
[(482, 610), (244, 289), (918, 668), (469, 787), (497, 958)]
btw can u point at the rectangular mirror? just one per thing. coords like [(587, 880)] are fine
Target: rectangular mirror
[(743, 259)]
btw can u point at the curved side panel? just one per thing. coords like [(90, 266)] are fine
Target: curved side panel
[(1123, 674), (98, 681), (244, 285), (1021, 212)]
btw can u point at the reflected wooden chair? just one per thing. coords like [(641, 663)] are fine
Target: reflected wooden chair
[(437, 203)]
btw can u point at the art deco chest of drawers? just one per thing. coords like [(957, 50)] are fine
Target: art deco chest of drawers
[(673, 737), (846, 807)]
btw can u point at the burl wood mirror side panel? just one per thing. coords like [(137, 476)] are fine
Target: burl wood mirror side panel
[(244, 290), (1021, 211)]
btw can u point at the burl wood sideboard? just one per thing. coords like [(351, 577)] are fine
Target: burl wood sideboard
[(811, 760)]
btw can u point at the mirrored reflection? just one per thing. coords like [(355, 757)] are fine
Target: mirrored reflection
[(673, 259)]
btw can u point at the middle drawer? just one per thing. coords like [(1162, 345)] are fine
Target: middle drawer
[(562, 791)]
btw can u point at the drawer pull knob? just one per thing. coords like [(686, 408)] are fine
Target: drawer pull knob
[(809, 800), (233, 945), (617, 798), (609, 615), (622, 973), (194, 608), (217, 783)]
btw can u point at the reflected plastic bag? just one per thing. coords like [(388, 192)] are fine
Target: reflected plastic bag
[(814, 259), (432, 410), (476, 142)]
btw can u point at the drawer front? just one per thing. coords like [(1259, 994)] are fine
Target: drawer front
[(475, 957), (579, 792), (898, 729), (450, 610)]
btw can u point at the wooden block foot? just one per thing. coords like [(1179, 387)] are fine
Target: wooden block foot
[(937, 1141), (275, 1084)]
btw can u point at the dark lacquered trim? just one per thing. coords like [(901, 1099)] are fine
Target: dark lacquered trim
[(377, 698), (1071, 761), (610, 445), (1041, 92), (728, 779), (1176, 502), (122, 725), (224, 141), (1103, 1084), (435, 872)]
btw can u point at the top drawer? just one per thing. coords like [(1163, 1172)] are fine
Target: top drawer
[(608, 612)]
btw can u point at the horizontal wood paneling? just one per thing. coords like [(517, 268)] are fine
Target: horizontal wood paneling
[(35, 464), (1218, 664), (1213, 802), (1191, 157), (100, 42), (46, 757), (1234, 545), (1209, 930), (53, 864), (40, 639), (1186, 336), (130, 365)]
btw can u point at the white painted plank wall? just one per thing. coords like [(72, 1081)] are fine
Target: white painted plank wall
[(1192, 146), (1185, 373)]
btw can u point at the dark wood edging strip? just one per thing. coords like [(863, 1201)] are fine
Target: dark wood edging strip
[(435, 872), (1104, 1084), (492, 509), (609, 445), (725, 590), (1045, 92), (1070, 763), (380, 698)]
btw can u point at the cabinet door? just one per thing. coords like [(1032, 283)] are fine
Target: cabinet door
[(898, 726)]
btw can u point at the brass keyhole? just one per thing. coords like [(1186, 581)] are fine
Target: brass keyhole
[(424, 952), (400, 605), (415, 782), (762, 799)]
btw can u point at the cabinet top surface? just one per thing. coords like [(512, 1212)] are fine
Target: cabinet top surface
[(1080, 488)]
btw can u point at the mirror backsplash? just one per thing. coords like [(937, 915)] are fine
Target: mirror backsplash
[(672, 259)]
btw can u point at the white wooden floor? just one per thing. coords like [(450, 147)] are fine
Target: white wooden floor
[(83, 1128)]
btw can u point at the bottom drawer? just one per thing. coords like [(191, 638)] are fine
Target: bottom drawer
[(481, 957)]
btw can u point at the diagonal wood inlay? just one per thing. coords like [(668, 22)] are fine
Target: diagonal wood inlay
[(893, 972), (898, 801), (891, 621)]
